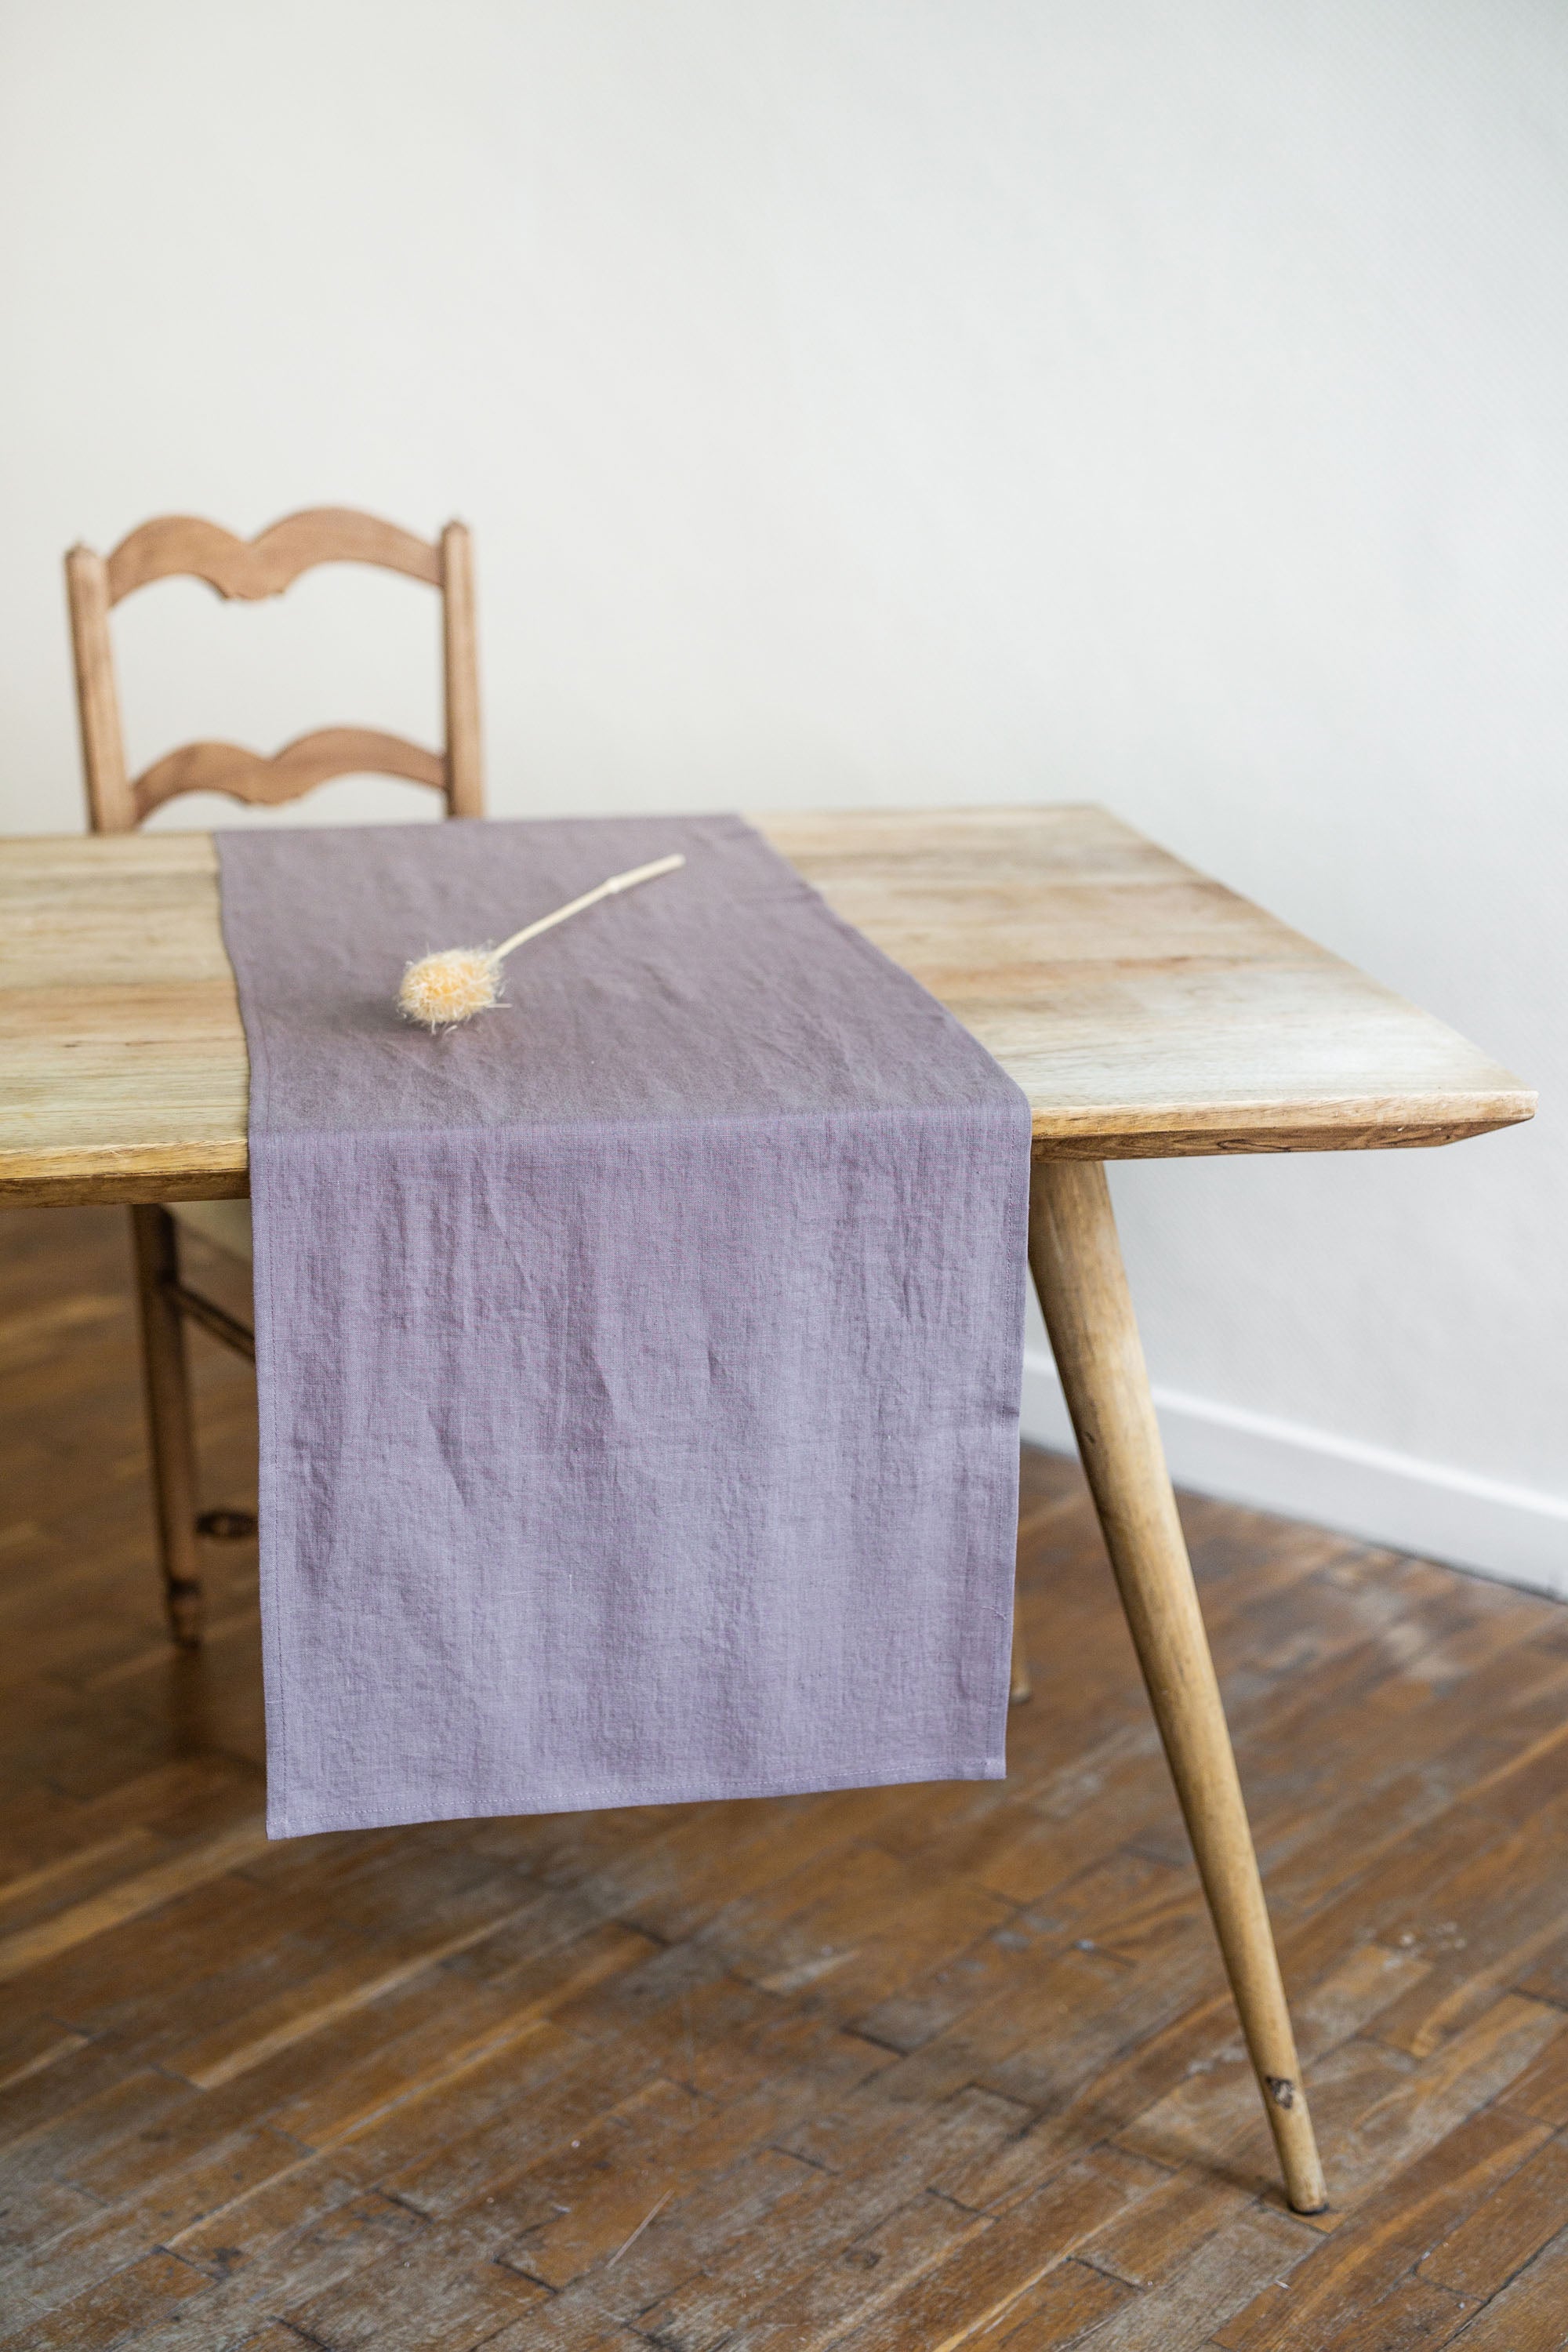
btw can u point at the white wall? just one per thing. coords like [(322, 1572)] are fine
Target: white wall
[(888, 401)]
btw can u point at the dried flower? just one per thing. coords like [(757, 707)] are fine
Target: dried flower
[(441, 990)]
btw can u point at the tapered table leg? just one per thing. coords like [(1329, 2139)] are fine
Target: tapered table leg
[(1078, 1273)]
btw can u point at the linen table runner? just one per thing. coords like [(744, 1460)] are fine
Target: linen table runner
[(638, 1365)]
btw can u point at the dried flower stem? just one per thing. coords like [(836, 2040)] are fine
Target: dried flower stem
[(441, 991), (590, 897)]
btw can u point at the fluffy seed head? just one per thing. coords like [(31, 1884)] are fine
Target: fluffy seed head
[(442, 989)]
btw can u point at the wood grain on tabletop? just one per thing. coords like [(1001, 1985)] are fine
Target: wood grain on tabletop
[(1144, 1010), (882, 2071)]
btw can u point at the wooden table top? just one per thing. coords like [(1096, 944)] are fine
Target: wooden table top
[(1146, 1011)]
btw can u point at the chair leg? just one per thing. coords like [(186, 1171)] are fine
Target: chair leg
[(168, 1420), (1019, 1686), (1077, 1270)]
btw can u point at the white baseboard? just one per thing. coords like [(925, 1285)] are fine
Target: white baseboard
[(1512, 1533)]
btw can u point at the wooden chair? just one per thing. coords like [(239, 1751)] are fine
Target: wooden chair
[(265, 566)]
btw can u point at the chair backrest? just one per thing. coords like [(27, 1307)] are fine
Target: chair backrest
[(265, 566)]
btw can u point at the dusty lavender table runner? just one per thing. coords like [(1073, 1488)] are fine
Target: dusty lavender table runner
[(639, 1366)]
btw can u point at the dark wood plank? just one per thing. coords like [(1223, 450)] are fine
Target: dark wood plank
[(1530, 2315), (1365, 2259), (1507, 2229)]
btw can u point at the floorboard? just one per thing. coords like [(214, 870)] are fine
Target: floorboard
[(917, 2068)]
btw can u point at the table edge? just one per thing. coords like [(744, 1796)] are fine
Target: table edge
[(220, 1171)]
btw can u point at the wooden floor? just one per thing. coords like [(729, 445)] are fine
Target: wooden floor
[(908, 2068)]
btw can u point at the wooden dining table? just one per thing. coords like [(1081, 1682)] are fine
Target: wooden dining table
[(1146, 1011)]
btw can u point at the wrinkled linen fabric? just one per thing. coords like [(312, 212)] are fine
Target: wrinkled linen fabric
[(639, 1365)]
